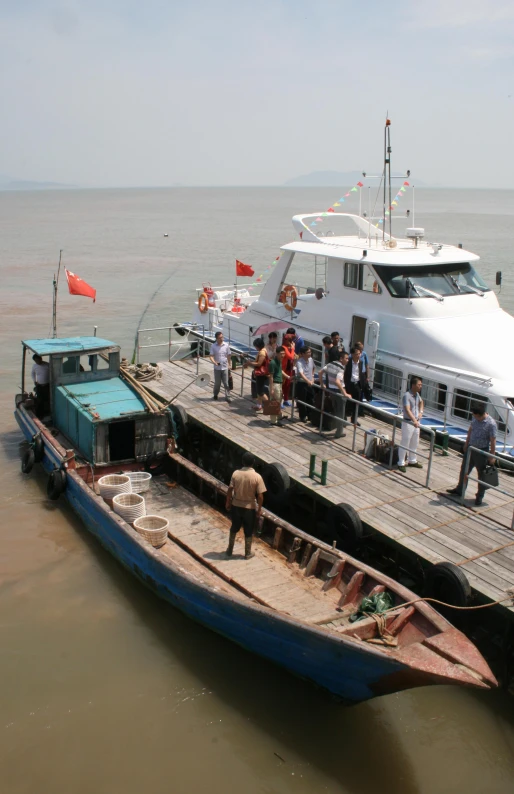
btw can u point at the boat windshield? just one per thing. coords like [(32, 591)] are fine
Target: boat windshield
[(443, 279)]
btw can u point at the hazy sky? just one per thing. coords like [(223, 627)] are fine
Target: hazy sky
[(156, 92)]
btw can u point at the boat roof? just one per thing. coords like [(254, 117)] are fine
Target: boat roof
[(105, 399), (371, 246), (67, 344)]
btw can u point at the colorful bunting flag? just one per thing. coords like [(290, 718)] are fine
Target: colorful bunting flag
[(336, 204), (353, 190), (406, 184), (359, 184), (331, 209)]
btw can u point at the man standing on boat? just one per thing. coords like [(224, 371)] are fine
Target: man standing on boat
[(41, 378), (412, 413), (244, 501), (482, 435), (220, 357)]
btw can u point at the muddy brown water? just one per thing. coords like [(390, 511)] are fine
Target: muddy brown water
[(104, 688)]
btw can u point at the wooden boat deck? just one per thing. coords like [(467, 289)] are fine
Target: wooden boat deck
[(424, 521), (204, 531)]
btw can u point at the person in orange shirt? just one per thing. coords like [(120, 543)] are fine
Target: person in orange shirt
[(288, 366)]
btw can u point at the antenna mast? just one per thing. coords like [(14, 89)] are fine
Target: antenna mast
[(54, 304), (387, 176)]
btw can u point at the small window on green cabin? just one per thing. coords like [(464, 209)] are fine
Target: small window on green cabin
[(351, 275), (101, 363), (70, 365)]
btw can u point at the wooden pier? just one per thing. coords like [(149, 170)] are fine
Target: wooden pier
[(397, 508)]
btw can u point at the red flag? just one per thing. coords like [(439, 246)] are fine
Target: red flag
[(359, 184), (331, 209), (243, 270), (78, 286), (406, 184)]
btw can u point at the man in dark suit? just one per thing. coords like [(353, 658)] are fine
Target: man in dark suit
[(355, 380)]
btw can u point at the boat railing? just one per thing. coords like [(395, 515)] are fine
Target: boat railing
[(380, 413), (497, 488), (175, 347), (232, 287)]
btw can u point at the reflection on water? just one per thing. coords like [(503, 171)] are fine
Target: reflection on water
[(106, 689)]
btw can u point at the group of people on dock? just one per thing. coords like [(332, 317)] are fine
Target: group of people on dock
[(338, 388), (344, 377)]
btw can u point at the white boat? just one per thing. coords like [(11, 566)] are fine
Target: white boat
[(421, 308)]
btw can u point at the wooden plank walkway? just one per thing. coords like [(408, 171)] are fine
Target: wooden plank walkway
[(425, 521)]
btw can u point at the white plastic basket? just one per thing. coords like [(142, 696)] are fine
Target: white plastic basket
[(140, 480), (154, 529), (129, 506), (113, 484)]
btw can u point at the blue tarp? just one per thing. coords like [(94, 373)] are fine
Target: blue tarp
[(107, 398), (70, 344)]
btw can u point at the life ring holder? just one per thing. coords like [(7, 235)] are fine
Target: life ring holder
[(203, 303), (290, 297)]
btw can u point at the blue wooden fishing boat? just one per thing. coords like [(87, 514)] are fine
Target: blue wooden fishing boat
[(293, 603)]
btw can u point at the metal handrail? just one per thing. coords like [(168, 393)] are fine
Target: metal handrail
[(374, 409)]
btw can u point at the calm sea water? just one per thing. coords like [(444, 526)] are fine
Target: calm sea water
[(103, 687)]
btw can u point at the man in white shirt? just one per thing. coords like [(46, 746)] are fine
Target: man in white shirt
[(304, 391), (412, 413), (220, 357), (41, 377)]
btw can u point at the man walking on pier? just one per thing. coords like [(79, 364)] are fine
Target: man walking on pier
[(412, 413), (244, 501), (220, 357), (481, 435)]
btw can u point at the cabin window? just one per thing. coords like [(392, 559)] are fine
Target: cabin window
[(412, 281), (317, 351), (388, 380), (462, 402), (70, 365), (351, 275), (433, 392), (497, 416), (369, 280), (360, 276)]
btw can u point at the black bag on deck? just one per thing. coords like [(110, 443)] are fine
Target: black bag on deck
[(490, 476), (328, 408)]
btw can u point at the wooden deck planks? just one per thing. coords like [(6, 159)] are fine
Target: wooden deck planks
[(391, 503)]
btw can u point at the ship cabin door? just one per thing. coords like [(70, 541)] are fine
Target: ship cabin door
[(122, 440), (358, 330)]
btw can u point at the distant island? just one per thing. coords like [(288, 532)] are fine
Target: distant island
[(335, 179), (12, 183)]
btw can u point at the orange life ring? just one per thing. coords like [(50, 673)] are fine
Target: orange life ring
[(203, 303), (290, 297)]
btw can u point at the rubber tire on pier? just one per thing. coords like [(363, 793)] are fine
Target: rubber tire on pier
[(56, 484), (346, 526), (276, 479), (180, 331), (181, 420), (27, 461), (448, 583), (39, 447)]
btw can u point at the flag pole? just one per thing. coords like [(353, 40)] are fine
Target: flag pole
[(54, 304)]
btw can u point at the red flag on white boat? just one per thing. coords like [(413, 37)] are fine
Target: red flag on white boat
[(243, 270), (77, 286)]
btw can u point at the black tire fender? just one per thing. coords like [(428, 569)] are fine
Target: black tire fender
[(276, 479), (447, 582), (346, 526), (180, 331), (27, 461), (38, 447), (179, 423), (56, 484), (154, 464)]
